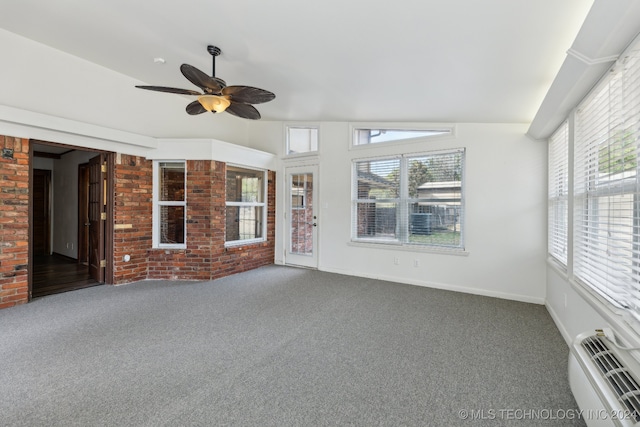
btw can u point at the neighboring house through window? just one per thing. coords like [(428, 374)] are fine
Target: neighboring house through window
[(366, 136), (414, 199)]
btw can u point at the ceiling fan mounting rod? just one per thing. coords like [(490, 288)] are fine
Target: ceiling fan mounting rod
[(214, 51)]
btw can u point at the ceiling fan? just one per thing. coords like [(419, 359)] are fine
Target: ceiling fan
[(217, 96)]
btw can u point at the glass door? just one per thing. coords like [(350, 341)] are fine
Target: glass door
[(302, 219)]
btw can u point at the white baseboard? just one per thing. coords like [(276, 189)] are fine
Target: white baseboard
[(428, 284)]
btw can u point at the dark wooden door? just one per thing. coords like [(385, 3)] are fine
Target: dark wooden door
[(83, 214), (41, 212), (97, 217)]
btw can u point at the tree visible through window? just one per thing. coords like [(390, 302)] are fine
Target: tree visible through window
[(606, 197), (410, 199)]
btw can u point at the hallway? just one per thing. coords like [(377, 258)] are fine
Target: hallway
[(53, 274)]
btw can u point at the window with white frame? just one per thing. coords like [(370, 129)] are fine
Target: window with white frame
[(558, 203), (413, 199), (606, 187), (366, 136), (245, 205), (302, 139), (169, 228)]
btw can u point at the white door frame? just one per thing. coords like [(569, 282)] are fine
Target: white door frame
[(305, 254)]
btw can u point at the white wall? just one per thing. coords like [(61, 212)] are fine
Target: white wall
[(65, 202), (505, 195), (46, 164), (571, 313), (42, 80), (505, 171)]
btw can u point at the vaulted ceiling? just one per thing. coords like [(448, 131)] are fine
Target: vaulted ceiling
[(330, 60)]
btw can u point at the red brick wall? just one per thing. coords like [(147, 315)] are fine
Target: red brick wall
[(133, 195), (205, 256), (192, 263), (14, 223), (226, 261)]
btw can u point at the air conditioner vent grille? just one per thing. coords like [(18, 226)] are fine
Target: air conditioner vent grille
[(621, 381)]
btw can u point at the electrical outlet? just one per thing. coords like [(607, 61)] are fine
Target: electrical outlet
[(396, 261), (416, 263)]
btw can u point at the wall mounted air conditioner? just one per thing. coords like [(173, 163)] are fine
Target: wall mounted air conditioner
[(605, 382)]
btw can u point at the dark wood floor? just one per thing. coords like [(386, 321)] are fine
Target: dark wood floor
[(53, 274)]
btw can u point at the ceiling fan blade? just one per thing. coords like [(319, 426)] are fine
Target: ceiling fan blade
[(245, 111), (195, 108), (207, 83), (248, 94), (170, 90)]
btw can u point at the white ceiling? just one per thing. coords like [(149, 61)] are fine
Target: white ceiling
[(330, 60)]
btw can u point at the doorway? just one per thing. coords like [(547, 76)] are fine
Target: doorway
[(41, 212), (69, 212), (302, 217)]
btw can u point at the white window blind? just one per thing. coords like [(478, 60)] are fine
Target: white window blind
[(606, 187), (410, 199), (558, 193), (377, 194)]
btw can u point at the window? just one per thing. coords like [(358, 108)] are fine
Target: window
[(558, 203), (301, 140), (170, 204), (245, 206), (606, 187), (410, 200), (375, 136)]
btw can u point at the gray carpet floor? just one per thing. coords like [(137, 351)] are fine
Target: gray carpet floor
[(279, 346)]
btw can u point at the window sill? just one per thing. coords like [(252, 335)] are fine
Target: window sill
[(301, 156), (409, 248), (626, 328), (170, 248), (237, 243), (560, 269)]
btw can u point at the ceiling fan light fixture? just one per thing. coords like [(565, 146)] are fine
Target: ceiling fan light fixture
[(214, 103), (237, 100)]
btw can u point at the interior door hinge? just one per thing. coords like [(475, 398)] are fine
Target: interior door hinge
[(103, 263), (103, 167), (103, 216)]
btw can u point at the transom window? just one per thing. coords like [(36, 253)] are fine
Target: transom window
[(375, 136), (302, 139), (409, 199), (245, 205)]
